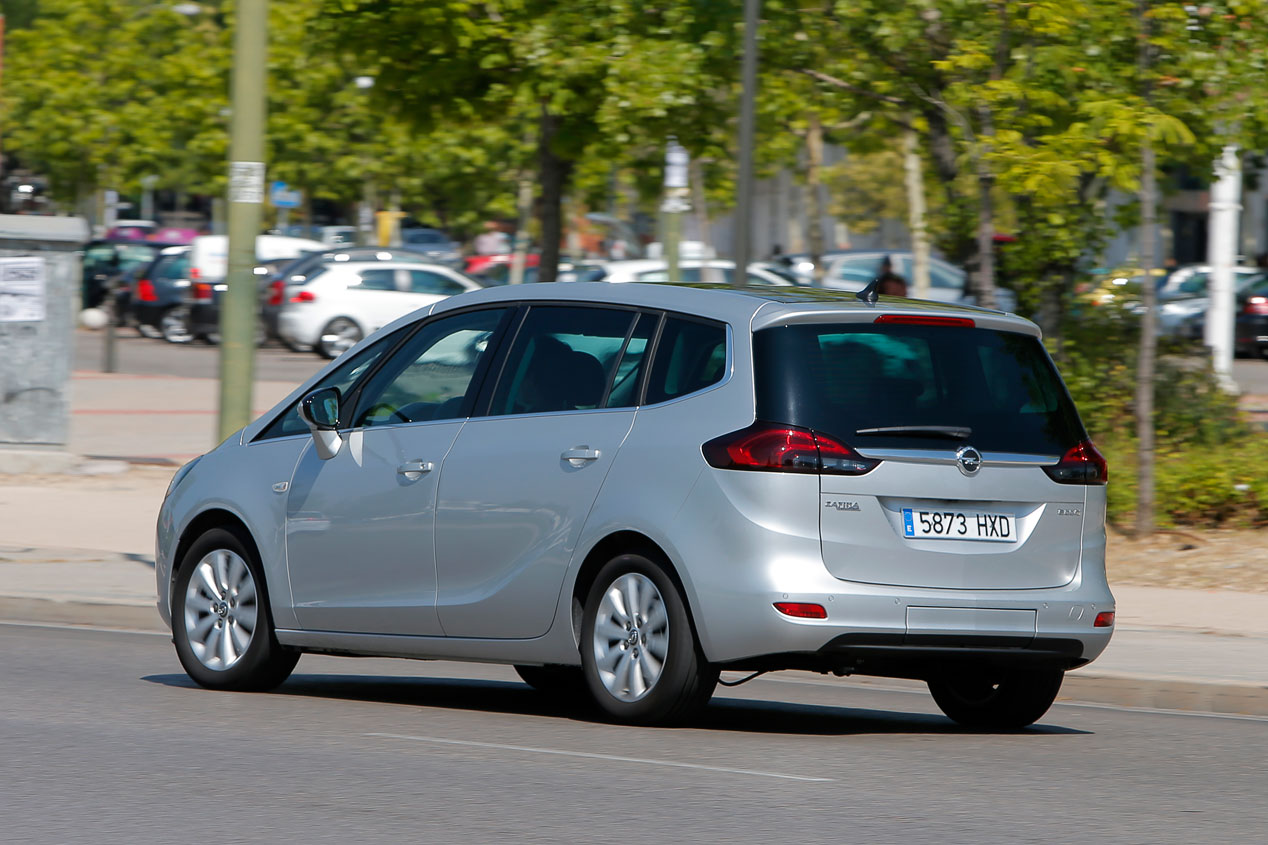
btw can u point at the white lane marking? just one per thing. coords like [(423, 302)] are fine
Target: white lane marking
[(593, 756), (20, 623), (1157, 711)]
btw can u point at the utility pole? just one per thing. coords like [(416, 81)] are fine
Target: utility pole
[(246, 197), (744, 179), (1226, 208)]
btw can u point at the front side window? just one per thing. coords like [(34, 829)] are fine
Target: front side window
[(562, 360), (343, 377), (430, 377), (690, 356)]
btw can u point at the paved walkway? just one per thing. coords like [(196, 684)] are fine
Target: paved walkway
[(77, 547)]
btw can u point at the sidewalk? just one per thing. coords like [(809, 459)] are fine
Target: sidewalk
[(77, 548)]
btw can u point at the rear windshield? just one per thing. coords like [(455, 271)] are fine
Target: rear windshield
[(841, 379)]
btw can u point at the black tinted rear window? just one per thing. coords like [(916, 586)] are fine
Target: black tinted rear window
[(840, 379)]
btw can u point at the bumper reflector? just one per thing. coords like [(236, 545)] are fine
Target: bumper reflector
[(1104, 619), (801, 610)]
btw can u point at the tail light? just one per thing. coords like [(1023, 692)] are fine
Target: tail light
[(145, 291), (801, 610), (784, 448), (924, 320), (277, 291), (1104, 619), (1256, 305), (202, 292), (1082, 464), (304, 296)]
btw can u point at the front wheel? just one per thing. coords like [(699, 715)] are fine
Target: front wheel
[(1003, 699), (221, 624), (638, 650)]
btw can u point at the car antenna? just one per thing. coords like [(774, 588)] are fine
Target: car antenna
[(868, 294)]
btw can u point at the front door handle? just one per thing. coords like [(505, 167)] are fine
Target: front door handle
[(579, 455), (414, 469)]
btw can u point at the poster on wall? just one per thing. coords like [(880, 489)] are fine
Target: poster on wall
[(21, 290)]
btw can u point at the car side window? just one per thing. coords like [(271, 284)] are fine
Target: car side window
[(690, 356), (425, 281), (857, 270), (430, 377), (343, 377), (562, 360), (376, 280)]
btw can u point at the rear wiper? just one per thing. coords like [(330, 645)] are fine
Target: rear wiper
[(955, 432)]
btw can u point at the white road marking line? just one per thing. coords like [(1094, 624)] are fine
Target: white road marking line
[(593, 756), (1157, 711), (21, 623)]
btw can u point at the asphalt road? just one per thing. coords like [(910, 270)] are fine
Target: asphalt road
[(145, 356), (105, 740)]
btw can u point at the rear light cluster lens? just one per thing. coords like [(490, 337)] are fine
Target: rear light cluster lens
[(202, 292), (1082, 464), (304, 296), (277, 291), (1104, 619), (145, 291), (1256, 305), (784, 448)]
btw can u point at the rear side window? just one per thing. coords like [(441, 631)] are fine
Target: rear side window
[(425, 281), (690, 356), (843, 379), (376, 280)]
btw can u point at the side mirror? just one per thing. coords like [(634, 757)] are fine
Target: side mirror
[(320, 412)]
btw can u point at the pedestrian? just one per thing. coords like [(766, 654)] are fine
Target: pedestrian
[(889, 283)]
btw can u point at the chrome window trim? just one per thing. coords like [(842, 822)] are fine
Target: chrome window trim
[(932, 456)]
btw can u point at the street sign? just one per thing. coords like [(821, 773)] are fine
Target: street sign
[(281, 196)]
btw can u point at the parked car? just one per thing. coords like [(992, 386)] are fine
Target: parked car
[(623, 489), (209, 265), (690, 270), (157, 301), (584, 271), (478, 265), (1251, 321), (341, 303), (105, 262), (855, 270), (1183, 312), (433, 243)]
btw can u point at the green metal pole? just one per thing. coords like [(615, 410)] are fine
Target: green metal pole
[(246, 196)]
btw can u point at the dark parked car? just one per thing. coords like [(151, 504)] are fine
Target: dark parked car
[(106, 262), (156, 301), (1250, 333)]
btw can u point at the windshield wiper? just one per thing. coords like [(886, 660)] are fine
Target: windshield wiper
[(955, 432)]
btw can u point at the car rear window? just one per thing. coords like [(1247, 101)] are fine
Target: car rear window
[(840, 379)]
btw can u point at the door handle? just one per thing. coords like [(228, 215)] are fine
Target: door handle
[(579, 454), (414, 469)]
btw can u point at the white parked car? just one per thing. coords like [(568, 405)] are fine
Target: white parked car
[(342, 303), (690, 270)]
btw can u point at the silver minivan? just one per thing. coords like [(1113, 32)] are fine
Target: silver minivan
[(622, 490)]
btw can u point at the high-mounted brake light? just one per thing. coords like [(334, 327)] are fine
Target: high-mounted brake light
[(924, 320), (145, 291), (304, 296), (784, 448), (1081, 464)]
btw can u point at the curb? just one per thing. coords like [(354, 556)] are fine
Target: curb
[(1079, 687)]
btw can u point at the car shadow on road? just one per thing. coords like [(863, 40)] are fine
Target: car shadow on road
[(723, 714)]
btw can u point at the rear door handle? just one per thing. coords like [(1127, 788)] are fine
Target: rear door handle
[(579, 455), (414, 469)]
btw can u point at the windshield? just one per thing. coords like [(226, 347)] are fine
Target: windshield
[(926, 384)]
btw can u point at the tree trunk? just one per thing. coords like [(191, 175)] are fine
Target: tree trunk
[(814, 205), (1149, 318), (916, 214), (553, 174), (984, 279)]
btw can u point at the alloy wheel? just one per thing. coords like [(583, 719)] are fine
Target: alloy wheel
[(631, 637), (220, 609)]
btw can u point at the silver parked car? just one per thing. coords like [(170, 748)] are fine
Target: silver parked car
[(622, 490)]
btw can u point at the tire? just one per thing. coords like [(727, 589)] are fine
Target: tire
[(174, 325), (655, 674), (562, 682), (337, 337), (295, 346), (249, 657), (1004, 699)]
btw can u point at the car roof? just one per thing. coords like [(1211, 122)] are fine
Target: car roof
[(758, 306)]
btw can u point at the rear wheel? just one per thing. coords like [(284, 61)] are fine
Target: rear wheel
[(339, 335), (999, 699), (174, 325), (221, 624), (638, 650)]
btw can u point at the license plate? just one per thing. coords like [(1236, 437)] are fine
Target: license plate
[(959, 525)]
